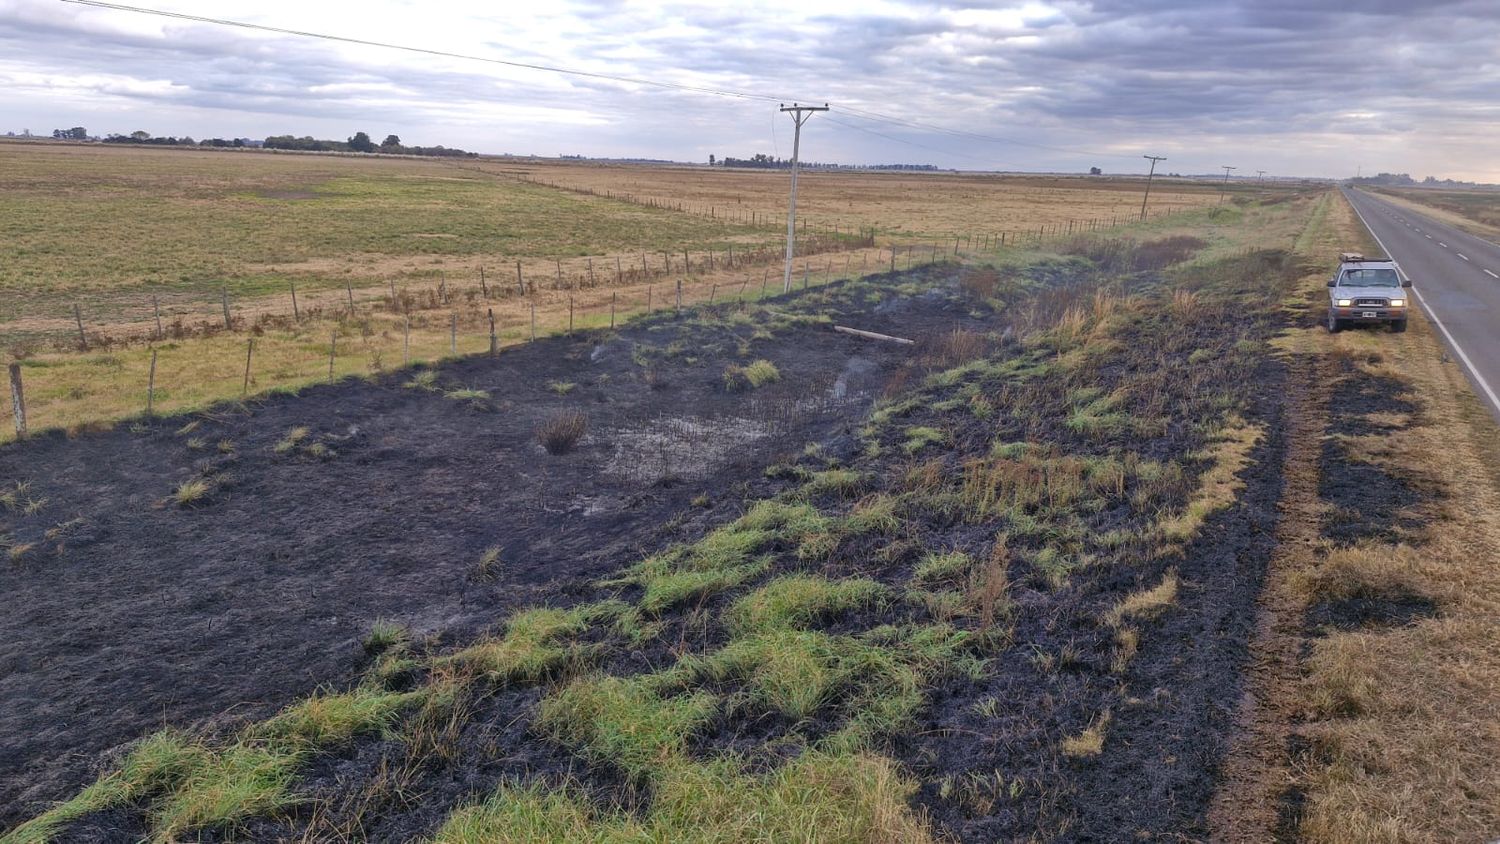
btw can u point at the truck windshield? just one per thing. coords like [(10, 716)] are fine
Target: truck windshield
[(1370, 278)]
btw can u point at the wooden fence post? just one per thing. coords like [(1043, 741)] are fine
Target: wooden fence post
[(349, 288), (17, 400), (713, 292), (296, 312), (151, 386), (765, 278), (619, 271), (533, 320), (406, 341), (494, 341), (570, 314), (612, 309), (679, 294), (483, 287), (249, 350), (453, 334), (558, 284), (649, 288), (520, 282), (333, 344), (156, 307), (591, 272), (224, 293), (83, 340)]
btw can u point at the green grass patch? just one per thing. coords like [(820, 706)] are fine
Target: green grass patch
[(797, 600)]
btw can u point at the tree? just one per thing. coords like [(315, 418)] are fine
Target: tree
[(710, 160), (1095, 171), (77, 133), (390, 142), (140, 135), (361, 143)]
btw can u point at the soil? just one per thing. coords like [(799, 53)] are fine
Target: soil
[(131, 612)]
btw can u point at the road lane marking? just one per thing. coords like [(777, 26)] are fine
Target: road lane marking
[(1490, 274), (1428, 236), (1442, 244), (1462, 255), (1462, 355)]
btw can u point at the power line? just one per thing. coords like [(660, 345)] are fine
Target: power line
[(852, 111), (610, 77)]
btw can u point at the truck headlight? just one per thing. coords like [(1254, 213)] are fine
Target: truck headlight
[(1398, 303), (1344, 303)]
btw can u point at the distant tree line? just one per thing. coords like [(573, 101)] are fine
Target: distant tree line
[(1405, 180), (360, 142), (765, 162)]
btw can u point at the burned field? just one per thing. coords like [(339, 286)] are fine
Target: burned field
[(723, 572)]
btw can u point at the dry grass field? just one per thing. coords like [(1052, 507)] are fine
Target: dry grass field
[(395, 260), (1476, 211)]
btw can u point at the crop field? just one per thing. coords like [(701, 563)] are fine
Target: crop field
[(1475, 210), (1120, 546)]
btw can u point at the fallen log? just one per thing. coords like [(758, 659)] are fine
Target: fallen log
[(870, 335)]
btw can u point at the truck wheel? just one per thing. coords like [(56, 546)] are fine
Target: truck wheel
[(1335, 325), (1398, 326)]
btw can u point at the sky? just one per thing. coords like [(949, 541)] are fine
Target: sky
[(1292, 87)]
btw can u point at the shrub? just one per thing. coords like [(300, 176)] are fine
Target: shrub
[(560, 433)]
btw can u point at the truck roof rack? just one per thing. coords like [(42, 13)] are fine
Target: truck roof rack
[(1350, 257)]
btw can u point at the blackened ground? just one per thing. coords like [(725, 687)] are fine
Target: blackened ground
[(1369, 502), (131, 613)]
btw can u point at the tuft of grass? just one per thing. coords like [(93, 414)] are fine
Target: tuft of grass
[(1090, 742), (624, 722), (919, 437), (1220, 484), (191, 491), (562, 388), (293, 438), (530, 650), (384, 635), (468, 394), (1144, 603), (796, 600), (936, 568), (845, 483), (751, 376), (425, 379), (489, 561), (559, 434)]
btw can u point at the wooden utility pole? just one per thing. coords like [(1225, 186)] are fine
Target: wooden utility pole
[(1149, 175), (1224, 185), (800, 114), (18, 400)]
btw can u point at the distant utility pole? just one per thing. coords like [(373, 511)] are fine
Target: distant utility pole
[(800, 115), (1224, 185), (1260, 175), (1154, 159)]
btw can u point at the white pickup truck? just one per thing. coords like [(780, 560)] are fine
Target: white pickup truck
[(1366, 291)]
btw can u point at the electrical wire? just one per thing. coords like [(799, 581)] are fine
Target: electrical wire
[(858, 113)]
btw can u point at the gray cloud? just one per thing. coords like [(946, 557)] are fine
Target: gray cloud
[(1304, 87)]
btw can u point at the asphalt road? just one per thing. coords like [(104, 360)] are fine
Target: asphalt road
[(1456, 277)]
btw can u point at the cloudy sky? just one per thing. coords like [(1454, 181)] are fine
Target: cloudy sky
[(1293, 87)]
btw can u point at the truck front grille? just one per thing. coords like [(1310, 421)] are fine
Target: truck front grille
[(1370, 303)]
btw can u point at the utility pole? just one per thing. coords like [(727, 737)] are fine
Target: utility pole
[(1224, 185), (800, 115), (1260, 175), (1154, 159)]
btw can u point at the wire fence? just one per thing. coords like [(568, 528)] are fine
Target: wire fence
[(166, 366)]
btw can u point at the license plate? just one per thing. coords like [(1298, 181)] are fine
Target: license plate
[(1367, 314)]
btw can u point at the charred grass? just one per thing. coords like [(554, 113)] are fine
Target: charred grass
[(1010, 605)]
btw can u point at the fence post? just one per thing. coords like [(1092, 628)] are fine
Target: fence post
[(649, 288), (494, 341), (558, 284), (520, 282), (224, 293), (156, 307), (406, 341), (151, 386), (612, 309), (679, 294), (349, 288), (296, 312), (591, 272), (619, 271), (713, 292), (533, 320), (333, 343), (483, 287), (765, 278), (453, 334), (17, 400), (570, 314), (249, 349), (83, 340)]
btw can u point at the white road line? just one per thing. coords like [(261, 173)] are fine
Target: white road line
[(1463, 356), (1490, 274), (1442, 244), (1428, 236), (1462, 255)]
